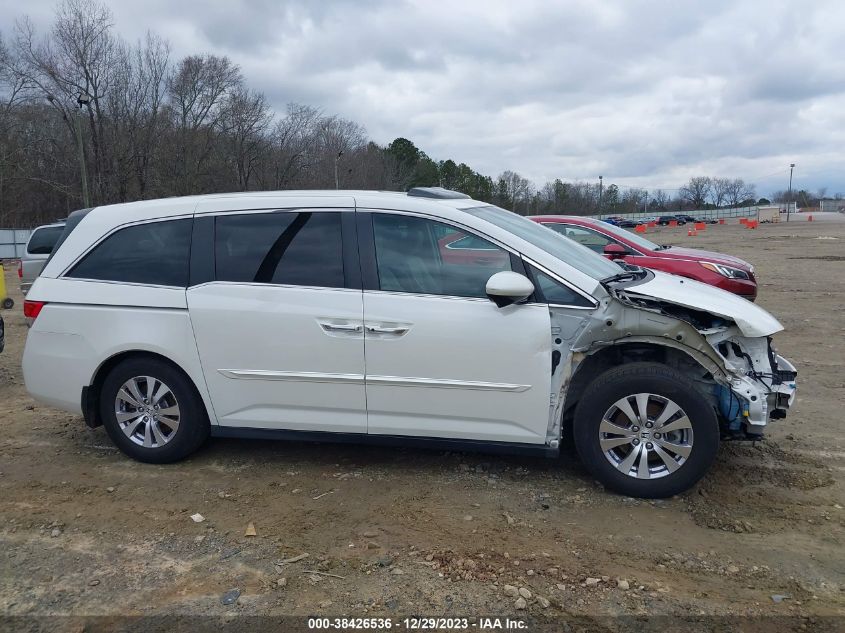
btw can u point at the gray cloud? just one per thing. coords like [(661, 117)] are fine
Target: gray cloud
[(645, 93)]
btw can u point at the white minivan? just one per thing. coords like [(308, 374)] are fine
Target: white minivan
[(423, 317)]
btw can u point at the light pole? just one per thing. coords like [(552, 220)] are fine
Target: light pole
[(789, 195), (336, 158), (601, 183)]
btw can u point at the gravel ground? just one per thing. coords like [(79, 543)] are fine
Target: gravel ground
[(393, 532)]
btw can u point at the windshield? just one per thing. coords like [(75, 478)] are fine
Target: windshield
[(630, 236), (579, 257)]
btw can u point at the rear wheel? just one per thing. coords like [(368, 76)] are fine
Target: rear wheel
[(643, 430), (8, 303), (152, 412)]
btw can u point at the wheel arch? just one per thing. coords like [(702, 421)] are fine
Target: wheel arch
[(91, 393), (632, 349)]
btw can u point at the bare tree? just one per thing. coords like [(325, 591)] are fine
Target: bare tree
[(515, 192), (660, 200), (719, 190), (197, 92), (738, 191), (135, 113), (696, 191), (244, 122), (74, 66)]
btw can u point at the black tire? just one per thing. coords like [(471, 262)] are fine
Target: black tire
[(193, 428), (663, 382), (8, 303)]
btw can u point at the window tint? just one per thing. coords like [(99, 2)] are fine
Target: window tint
[(413, 256), (153, 253), (553, 291), (42, 241), (294, 248)]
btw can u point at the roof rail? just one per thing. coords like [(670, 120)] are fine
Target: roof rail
[(436, 192)]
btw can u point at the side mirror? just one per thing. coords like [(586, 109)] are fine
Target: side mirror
[(615, 251), (507, 287)]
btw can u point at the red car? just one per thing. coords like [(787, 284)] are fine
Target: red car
[(723, 271)]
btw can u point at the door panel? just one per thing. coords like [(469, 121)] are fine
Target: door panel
[(281, 357), (455, 367), (279, 327), (442, 359)]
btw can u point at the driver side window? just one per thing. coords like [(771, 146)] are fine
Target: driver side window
[(593, 240), (421, 256)]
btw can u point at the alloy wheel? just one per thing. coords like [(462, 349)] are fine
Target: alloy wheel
[(147, 411), (646, 436)]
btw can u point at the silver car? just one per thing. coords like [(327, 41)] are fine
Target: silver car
[(38, 249)]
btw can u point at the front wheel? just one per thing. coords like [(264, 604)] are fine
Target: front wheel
[(152, 411), (643, 430), (8, 303)]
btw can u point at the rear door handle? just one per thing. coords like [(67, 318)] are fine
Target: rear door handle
[(330, 326), (346, 327)]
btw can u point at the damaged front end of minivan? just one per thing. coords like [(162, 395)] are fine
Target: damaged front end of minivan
[(725, 349)]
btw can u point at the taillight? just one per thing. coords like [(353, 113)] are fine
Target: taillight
[(20, 269), (31, 309)]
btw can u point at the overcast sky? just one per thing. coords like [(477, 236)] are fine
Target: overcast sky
[(646, 93)]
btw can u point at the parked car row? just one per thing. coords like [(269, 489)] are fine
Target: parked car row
[(663, 220), (423, 318)]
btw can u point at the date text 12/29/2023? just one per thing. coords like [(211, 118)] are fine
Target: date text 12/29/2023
[(418, 624)]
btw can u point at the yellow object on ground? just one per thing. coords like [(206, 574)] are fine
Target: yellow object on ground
[(5, 300)]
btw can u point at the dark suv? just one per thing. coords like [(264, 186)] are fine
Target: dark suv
[(664, 220)]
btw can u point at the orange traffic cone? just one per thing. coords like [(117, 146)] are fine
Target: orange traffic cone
[(692, 232)]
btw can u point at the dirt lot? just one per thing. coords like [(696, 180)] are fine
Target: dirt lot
[(84, 530)]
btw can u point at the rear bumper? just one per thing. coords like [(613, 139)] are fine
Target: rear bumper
[(25, 286), (55, 368)]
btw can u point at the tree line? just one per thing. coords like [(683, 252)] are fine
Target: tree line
[(147, 125)]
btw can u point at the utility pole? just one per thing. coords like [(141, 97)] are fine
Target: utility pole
[(336, 181), (601, 183), (82, 100), (789, 195)]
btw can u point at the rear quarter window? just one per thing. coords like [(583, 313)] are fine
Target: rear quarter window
[(154, 253), (43, 239)]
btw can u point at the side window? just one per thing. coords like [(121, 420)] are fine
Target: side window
[(293, 248), (154, 253), (593, 240), (552, 291), (414, 255), (42, 240)]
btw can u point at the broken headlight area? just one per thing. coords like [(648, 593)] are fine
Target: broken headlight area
[(762, 386)]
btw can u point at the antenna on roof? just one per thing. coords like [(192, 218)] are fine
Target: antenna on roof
[(436, 192)]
